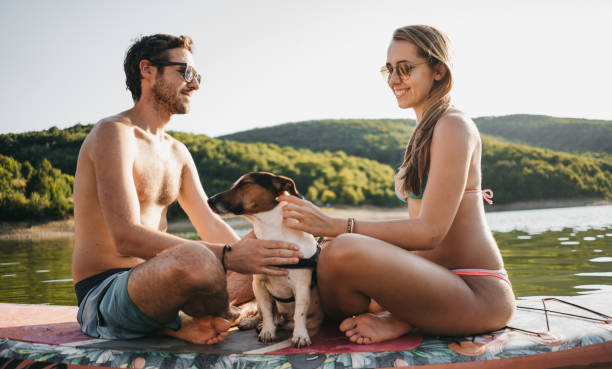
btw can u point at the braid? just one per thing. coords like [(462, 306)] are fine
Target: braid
[(434, 46)]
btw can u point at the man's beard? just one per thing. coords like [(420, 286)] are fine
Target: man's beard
[(166, 100)]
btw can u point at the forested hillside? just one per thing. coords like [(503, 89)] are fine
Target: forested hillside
[(565, 134), (33, 192), (334, 178), (515, 172), (335, 162), (383, 140)]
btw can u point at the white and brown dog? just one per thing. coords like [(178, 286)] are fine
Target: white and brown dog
[(294, 296)]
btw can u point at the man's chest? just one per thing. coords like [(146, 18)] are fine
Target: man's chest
[(157, 176)]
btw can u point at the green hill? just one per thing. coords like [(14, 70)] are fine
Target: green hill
[(336, 162), (335, 178), (59, 146), (564, 134), (30, 192), (383, 140), (514, 171)]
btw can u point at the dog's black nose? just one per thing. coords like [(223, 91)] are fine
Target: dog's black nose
[(213, 202)]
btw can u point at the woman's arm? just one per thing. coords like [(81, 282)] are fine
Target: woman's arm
[(452, 147)]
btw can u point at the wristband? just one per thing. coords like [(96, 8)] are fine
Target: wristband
[(350, 225), (226, 248)]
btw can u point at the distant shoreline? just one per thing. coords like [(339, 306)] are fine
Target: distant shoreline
[(62, 229)]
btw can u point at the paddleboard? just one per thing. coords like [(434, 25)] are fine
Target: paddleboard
[(540, 335)]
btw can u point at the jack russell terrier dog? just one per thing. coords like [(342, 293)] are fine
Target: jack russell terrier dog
[(254, 196)]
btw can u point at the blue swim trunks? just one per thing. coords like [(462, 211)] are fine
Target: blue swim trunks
[(108, 312)]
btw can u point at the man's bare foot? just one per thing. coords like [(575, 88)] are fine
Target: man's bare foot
[(204, 330), (375, 307), (370, 328)]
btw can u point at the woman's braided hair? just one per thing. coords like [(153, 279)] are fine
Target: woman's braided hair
[(434, 46)]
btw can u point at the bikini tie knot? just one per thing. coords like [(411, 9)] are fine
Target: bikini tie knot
[(487, 195)]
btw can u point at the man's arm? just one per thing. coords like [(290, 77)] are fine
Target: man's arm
[(210, 226), (193, 200), (112, 153)]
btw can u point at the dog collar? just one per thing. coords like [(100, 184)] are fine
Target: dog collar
[(311, 262)]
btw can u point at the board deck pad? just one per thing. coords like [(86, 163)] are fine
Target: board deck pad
[(50, 333)]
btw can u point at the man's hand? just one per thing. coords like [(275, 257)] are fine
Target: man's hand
[(253, 256)]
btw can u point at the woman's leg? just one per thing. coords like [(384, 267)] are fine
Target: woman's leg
[(416, 292)]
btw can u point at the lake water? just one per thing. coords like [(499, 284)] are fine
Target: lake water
[(552, 252)]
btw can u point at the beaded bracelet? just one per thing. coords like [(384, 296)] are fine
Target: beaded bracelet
[(226, 248), (350, 225)]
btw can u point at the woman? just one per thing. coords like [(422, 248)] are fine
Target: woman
[(440, 270)]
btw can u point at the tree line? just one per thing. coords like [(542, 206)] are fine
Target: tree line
[(30, 192), (332, 162), (564, 134)]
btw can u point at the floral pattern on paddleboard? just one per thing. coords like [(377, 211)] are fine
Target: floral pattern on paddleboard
[(531, 334)]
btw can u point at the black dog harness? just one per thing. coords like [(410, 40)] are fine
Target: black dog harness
[(304, 263)]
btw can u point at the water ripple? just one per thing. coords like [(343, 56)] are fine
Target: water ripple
[(57, 280), (603, 259), (598, 274)]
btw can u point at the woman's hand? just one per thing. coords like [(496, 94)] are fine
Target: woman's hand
[(303, 215)]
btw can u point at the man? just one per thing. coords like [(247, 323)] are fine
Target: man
[(132, 278)]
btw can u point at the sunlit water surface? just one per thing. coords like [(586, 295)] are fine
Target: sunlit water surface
[(552, 252)]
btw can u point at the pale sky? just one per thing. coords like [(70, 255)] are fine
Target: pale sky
[(268, 62)]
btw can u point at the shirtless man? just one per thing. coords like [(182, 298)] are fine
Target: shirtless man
[(132, 278)]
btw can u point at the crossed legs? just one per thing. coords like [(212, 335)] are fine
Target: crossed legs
[(413, 292), (190, 278)]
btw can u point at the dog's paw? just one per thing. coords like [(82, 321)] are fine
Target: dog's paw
[(267, 335), (249, 323), (232, 314), (300, 341)]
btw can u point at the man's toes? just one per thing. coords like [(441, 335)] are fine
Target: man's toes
[(367, 341), (216, 339), (360, 340), (347, 324), (354, 338), (220, 324)]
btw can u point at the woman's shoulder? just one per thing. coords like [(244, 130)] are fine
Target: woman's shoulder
[(456, 121), (456, 126)]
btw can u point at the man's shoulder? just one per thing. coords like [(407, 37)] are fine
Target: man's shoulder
[(107, 132), (113, 123), (110, 128), (177, 146)]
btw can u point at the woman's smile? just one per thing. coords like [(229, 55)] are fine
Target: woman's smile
[(399, 92)]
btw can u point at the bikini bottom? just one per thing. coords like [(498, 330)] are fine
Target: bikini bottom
[(500, 273)]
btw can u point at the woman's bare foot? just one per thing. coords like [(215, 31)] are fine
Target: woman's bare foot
[(204, 330), (370, 328)]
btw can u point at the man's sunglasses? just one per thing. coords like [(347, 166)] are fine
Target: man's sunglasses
[(189, 72), (402, 68)]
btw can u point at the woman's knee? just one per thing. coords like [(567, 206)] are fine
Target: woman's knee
[(197, 268), (341, 255)]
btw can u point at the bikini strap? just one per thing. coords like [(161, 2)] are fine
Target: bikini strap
[(487, 194)]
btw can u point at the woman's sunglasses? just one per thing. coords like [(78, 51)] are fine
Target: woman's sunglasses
[(402, 68)]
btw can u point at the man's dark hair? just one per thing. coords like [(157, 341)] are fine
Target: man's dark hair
[(153, 47)]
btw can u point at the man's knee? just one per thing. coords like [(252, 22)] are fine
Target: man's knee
[(197, 268)]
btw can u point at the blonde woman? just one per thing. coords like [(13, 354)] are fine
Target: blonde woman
[(439, 270)]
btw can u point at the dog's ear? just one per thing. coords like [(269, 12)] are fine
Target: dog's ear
[(282, 184)]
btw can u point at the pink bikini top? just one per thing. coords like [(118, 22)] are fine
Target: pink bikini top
[(487, 194)]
